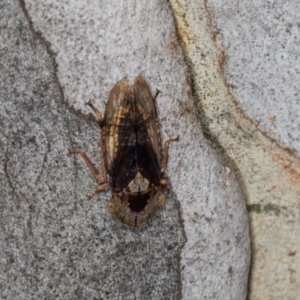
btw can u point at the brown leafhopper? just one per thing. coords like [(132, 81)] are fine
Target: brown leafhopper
[(132, 157)]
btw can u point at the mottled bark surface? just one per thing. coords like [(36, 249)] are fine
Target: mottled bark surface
[(55, 244)]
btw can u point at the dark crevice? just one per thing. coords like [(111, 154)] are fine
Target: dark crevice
[(60, 100), (38, 35)]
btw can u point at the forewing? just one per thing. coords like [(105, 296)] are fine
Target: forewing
[(147, 132), (120, 139)]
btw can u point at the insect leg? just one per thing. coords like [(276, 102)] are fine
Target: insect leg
[(156, 94), (164, 185), (96, 111), (166, 153), (111, 208), (99, 188), (161, 201), (101, 123), (99, 177)]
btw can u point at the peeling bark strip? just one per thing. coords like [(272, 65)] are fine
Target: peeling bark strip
[(269, 174), (131, 153)]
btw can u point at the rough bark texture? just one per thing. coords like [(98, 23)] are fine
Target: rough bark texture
[(269, 173), (55, 244)]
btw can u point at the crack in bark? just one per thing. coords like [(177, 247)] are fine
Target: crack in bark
[(8, 176)]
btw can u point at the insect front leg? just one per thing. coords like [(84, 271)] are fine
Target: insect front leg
[(164, 185), (99, 188), (162, 200), (166, 153)]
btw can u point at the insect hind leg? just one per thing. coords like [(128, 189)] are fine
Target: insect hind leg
[(96, 112), (156, 94), (166, 153)]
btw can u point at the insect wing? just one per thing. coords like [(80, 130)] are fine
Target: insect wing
[(147, 132), (120, 139)]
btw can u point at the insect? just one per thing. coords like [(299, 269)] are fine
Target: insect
[(132, 157)]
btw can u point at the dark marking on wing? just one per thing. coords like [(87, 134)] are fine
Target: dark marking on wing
[(132, 139), (147, 132), (118, 122)]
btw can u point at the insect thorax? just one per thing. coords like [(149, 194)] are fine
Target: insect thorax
[(139, 184)]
